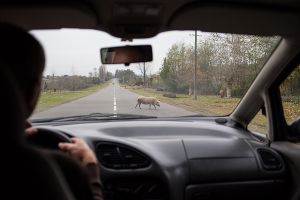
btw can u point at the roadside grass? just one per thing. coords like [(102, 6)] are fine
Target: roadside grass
[(291, 111), (205, 105), (50, 99), (259, 124)]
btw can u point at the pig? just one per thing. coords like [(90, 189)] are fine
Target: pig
[(147, 100), (222, 93)]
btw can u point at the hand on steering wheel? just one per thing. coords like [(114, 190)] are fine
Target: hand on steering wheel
[(79, 149), (46, 138), (56, 140)]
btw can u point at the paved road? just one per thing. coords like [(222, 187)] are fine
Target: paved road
[(112, 99)]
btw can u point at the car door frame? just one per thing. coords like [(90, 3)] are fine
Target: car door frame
[(280, 129)]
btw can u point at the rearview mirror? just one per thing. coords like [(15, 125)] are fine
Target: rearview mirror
[(126, 54)]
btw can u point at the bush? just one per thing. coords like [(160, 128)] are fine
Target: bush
[(160, 89), (170, 95)]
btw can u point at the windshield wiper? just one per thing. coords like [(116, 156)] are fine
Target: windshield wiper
[(93, 117)]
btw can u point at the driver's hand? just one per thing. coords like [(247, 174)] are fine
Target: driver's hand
[(31, 131), (79, 149)]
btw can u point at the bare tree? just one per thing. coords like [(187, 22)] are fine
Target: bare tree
[(225, 62), (95, 72), (144, 68), (102, 73)]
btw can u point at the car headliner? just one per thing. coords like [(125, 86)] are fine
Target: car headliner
[(146, 18)]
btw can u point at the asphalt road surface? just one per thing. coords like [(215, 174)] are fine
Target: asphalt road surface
[(112, 99)]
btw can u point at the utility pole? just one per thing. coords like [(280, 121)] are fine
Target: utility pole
[(195, 67), (144, 76)]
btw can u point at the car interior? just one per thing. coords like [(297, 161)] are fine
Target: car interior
[(191, 158)]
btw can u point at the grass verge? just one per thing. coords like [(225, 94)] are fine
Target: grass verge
[(50, 99), (204, 105)]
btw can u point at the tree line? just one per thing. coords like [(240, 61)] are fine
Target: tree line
[(75, 82), (290, 88), (226, 62)]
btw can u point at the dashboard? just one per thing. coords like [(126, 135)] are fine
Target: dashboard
[(186, 159)]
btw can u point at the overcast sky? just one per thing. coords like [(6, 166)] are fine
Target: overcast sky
[(76, 51)]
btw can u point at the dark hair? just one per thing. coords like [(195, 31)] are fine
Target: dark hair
[(24, 56)]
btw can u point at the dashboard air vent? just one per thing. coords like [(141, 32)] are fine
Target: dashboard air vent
[(270, 160), (118, 157)]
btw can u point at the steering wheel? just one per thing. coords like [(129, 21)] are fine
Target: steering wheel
[(48, 138)]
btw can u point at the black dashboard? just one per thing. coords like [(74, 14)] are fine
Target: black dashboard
[(187, 159)]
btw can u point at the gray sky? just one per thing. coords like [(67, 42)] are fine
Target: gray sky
[(76, 51)]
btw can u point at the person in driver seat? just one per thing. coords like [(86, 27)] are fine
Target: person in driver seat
[(25, 58)]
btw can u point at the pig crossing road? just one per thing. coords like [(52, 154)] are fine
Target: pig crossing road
[(112, 99)]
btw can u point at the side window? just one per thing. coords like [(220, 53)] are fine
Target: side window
[(290, 95), (259, 124)]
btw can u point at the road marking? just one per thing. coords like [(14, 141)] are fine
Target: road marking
[(115, 101)]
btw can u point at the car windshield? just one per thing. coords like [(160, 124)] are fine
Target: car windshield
[(192, 73)]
